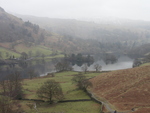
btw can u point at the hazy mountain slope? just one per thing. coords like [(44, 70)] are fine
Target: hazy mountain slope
[(140, 51), (13, 29), (123, 30), (125, 89), (89, 37)]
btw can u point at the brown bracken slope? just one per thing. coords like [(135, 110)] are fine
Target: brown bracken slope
[(125, 89)]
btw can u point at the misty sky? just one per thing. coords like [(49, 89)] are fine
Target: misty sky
[(131, 9)]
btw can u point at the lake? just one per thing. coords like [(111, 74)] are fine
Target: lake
[(41, 68), (124, 62)]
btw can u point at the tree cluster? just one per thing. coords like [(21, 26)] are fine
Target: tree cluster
[(79, 58), (109, 58), (63, 65), (24, 56), (33, 26), (137, 63)]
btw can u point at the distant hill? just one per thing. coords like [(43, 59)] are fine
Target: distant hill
[(74, 36), (17, 36), (126, 31), (125, 89), (13, 29), (119, 35)]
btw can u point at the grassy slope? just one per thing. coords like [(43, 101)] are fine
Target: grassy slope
[(11, 53), (125, 89), (64, 79), (22, 48)]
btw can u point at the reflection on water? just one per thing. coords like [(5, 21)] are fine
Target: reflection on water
[(123, 62), (25, 69), (41, 68)]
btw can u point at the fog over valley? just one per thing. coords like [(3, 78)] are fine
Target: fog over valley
[(73, 9), (74, 56)]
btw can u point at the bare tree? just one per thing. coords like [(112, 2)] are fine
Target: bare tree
[(81, 82), (7, 105), (12, 86), (32, 73), (1, 55), (97, 67), (84, 67), (43, 56), (50, 90), (3, 85)]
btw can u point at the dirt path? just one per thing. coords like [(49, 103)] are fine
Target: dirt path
[(107, 106)]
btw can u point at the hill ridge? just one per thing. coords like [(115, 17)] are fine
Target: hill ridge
[(125, 89), (1, 9)]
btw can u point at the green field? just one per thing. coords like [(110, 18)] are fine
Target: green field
[(70, 107), (70, 93), (7, 53), (64, 79), (39, 51)]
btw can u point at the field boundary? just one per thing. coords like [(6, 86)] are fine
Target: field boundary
[(61, 101)]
